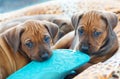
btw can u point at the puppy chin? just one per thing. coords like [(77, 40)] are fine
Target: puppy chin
[(37, 59), (90, 53), (94, 53)]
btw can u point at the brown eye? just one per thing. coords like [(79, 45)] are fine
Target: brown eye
[(29, 43)]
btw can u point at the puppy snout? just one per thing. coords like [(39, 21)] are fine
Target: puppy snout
[(45, 56), (84, 48)]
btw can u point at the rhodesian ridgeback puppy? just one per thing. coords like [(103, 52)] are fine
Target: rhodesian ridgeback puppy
[(63, 22), (30, 40), (93, 35)]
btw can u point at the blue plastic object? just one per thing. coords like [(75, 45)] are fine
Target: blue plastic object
[(62, 62)]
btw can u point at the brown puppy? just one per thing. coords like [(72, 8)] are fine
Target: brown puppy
[(28, 41), (63, 22), (93, 35)]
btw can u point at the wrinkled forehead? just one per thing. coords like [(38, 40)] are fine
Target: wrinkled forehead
[(35, 30), (35, 27), (93, 19)]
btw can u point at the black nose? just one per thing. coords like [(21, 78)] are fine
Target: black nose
[(84, 48), (45, 56)]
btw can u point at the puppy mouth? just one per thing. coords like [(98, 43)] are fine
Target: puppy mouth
[(45, 56), (89, 52), (92, 50), (38, 59), (41, 58), (86, 52), (95, 53)]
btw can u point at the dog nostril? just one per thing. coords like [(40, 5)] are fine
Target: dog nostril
[(45, 56), (85, 48)]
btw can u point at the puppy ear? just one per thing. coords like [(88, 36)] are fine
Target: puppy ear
[(75, 19), (12, 37), (61, 21), (112, 19), (64, 24), (52, 28)]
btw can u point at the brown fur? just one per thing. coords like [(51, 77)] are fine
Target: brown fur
[(55, 7), (16, 49), (63, 22), (99, 47)]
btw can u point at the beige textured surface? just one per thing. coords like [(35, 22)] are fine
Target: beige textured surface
[(66, 7), (109, 69), (102, 70)]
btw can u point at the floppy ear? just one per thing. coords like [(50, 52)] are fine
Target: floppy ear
[(112, 19), (59, 22), (12, 37), (52, 28), (75, 19)]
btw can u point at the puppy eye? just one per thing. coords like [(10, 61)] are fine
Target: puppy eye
[(47, 39), (81, 31), (96, 34), (29, 44)]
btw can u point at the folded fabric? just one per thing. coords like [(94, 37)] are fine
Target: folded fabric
[(61, 63)]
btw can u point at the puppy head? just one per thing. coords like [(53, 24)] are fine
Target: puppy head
[(32, 38), (94, 29)]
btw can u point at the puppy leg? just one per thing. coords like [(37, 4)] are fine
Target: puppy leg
[(3, 74), (79, 70)]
